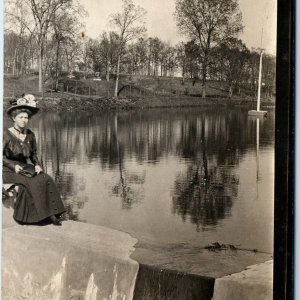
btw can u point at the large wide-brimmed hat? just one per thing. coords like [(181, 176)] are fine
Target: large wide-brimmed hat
[(27, 101)]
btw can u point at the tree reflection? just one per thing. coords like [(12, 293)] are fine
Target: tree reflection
[(55, 150), (205, 203), (129, 187), (206, 191)]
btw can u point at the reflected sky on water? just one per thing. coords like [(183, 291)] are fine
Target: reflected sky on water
[(192, 176)]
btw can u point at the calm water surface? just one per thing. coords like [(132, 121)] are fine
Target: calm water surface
[(193, 176)]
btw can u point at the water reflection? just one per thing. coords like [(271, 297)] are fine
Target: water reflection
[(205, 203), (258, 176), (203, 148), (256, 121), (206, 191), (129, 186)]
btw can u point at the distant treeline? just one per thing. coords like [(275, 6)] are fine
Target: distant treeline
[(47, 38)]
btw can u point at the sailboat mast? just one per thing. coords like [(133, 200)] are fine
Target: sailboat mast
[(259, 81), (259, 112)]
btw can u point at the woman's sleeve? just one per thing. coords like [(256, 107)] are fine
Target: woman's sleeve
[(33, 156), (7, 162)]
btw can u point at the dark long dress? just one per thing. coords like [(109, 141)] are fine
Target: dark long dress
[(38, 197)]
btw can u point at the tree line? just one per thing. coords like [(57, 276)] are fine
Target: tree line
[(47, 37)]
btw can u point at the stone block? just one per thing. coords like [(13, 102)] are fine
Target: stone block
[(74, 261), (256, 282)]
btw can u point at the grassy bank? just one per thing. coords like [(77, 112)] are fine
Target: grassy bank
[(136, 93), (93, 104)]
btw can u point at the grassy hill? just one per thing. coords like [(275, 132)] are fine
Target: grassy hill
[(136, 92), (175, 85), (15, 86)]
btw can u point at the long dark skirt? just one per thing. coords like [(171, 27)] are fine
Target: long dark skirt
[(38, 197)]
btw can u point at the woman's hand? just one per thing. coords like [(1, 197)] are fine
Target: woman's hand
[(18, 168), (38, 169)]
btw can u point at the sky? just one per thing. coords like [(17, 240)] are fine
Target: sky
[(259, 19)]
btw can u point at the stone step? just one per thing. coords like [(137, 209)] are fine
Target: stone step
[(84, 261)]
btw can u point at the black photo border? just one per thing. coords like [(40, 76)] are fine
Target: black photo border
[(284, 237)]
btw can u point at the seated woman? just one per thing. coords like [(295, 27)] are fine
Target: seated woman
[(38, 198)]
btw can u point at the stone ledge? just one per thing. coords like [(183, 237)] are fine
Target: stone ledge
[(84, 261), (67, 262), (256, 282)]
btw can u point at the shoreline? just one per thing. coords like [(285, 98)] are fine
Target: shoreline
[(64, 102)]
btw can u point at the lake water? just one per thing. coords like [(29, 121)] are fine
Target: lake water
[(167, 176)]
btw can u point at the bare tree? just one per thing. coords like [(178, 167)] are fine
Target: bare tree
[(129, 24), (157, 49), (137, 57), (43, 13), (18, 22), (93, 55), (181, 59), (72, 52), (170, 63), (268, 74), (253, 70), (192, 59), (208, 22), (232, 56), (65, 28), (11, 40), (108, 45)]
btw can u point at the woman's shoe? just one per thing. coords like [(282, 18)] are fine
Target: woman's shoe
[(55, 221)]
